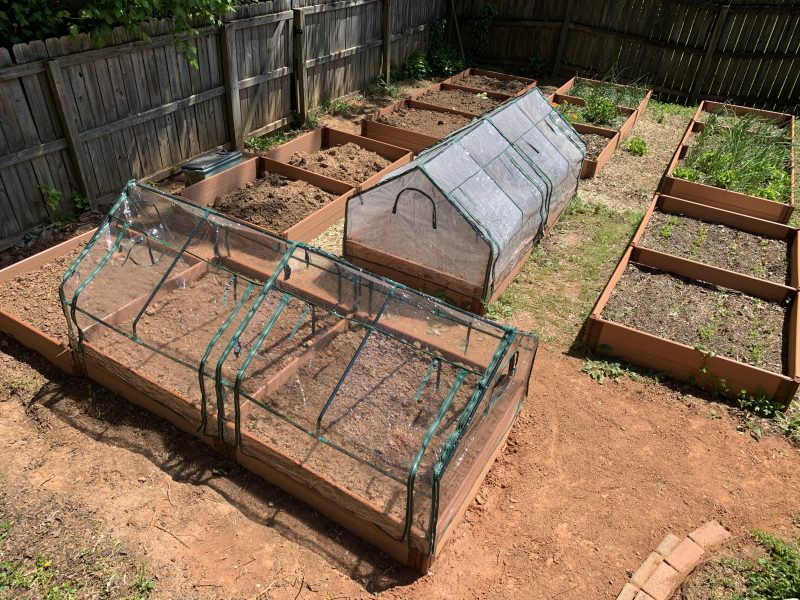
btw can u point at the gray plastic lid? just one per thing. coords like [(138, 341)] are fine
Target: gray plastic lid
[(212, 160)]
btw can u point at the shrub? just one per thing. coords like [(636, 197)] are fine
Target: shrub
[(443, 58), (637, 146), (416, 67)]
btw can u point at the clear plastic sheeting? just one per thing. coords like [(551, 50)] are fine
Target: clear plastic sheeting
[(464, 213), (360, 389)]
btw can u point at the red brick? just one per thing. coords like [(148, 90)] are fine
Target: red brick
[(663, 582), (668, 544), (628, 592), (710, 534), (685, 556), (648, 566)]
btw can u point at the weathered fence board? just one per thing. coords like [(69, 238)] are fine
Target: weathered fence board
[(745, 51), (78, 119)]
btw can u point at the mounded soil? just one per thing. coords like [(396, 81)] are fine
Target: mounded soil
[(482, 82), (33, 297), (594, 144), (436, 124), (349, 163), (718, 245), (274, 202), (729, 323), (459, 100)]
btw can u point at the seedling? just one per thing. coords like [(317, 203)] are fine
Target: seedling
[(482, 95), (666, 229), (698, 242), (637, 146), (600, 370)]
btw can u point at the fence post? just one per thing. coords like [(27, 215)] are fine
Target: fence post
[(299, 60), (66, 117), (562, 39), (700, 77), (230, 71), (386, 33)]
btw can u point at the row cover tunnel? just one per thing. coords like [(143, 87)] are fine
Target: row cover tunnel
[(379, 398), (459, 219)]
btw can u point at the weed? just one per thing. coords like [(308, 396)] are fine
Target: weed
[(707, 331), (660, 110), (17, 385), (313, 115), (627, 95), (5, 527), (745, 154), (538, 67), (142, 585), (760, 405), (338, 107), (443, 58), (80, 201), (667, 228), (636, 146), (381, 89), (600, 370), (698, 241), (415, 68), (789, 423), (482, 95), (52, 199), (500, 310), (269, 141)]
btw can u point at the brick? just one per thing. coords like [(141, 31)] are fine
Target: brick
[(663, 582), (628, 592), (685, 556), (710, 534), (668, 544), (643, 596), (648, 566)]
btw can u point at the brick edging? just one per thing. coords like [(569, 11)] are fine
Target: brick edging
[(665, 569)]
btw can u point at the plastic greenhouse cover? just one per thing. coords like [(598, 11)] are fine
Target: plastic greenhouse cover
[(505, 173), (228, 316)]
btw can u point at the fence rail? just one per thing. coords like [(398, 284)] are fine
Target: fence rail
[(74, 118), (746, 51)]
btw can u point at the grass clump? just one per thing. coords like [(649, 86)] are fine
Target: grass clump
[(636, 146), (744, 154), (618, 94)]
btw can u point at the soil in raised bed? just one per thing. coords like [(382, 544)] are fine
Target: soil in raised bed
[(274, 202), (428, 122), (349, 163), (594, 144), (718, 245), (460, 100), (33, 297), (47, 237), (482, 82), (729, 323)]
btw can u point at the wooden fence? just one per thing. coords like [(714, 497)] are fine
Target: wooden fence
[(78, 119), (744, 51)]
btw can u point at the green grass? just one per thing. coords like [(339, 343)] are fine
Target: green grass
[(269, 141), (628, 95), (560, 283), (744, 154), (661, 110)]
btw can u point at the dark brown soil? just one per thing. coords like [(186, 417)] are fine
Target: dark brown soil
[(436, 124), (349, 163), (481, 82), (460, 100), (47, 238), (716, 319), (274, 202), (33, 297), (718, 245), (594, 144)]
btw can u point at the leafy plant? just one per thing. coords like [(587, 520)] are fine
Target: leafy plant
[(52, 199), (269, 141), (338, 107), (480, 31), (538, 67), (599, 110), (142, 585), (637, 146), (774, 577), (600, 370), (80, 201), (443, 58), (382, 89), (666, 229), (415, 68), (760, 405)]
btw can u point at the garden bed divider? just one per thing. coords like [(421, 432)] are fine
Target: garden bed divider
[(726, 199), (323, 138), (718, 216), (204, 193), (716, 373), (592, 167), (26, 333), (456, 79)]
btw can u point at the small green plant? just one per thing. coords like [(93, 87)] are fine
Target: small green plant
[(789, 423), (500, 310), (338, 107), (686, 173), (666, 228), (382, 89), (760, 405), (628, 95), (17, 385), (443, 58), (415, 68), (52, 199), (600, 370), (698, 242), (636, 146), (313, 115), (80, 201), (482, 95), (538, 67), (5, 527), (142, 585), (776, 576), (269, 141), (599, 110)]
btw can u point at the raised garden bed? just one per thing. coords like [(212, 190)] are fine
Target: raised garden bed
[(413, 125), (30, 309), (380, 407), (292, 202), (455, 98), (720, 330), (480, 80), (353, 159), (600, 146), (692, 162), (730, 241)]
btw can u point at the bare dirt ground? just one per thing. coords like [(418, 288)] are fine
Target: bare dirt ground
[(592, 479)]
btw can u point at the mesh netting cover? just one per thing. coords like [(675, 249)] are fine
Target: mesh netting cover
[(471, 206), (381, 399)]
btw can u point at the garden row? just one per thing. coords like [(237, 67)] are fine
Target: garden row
[(707, 292)]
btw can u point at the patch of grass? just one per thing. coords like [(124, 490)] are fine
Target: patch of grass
[(636, 146), (628, 95), (271, 140), (560, 283), (661, 110), (744, 154), (41, 580), (142, 585), (5, 527), (338, 107)]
